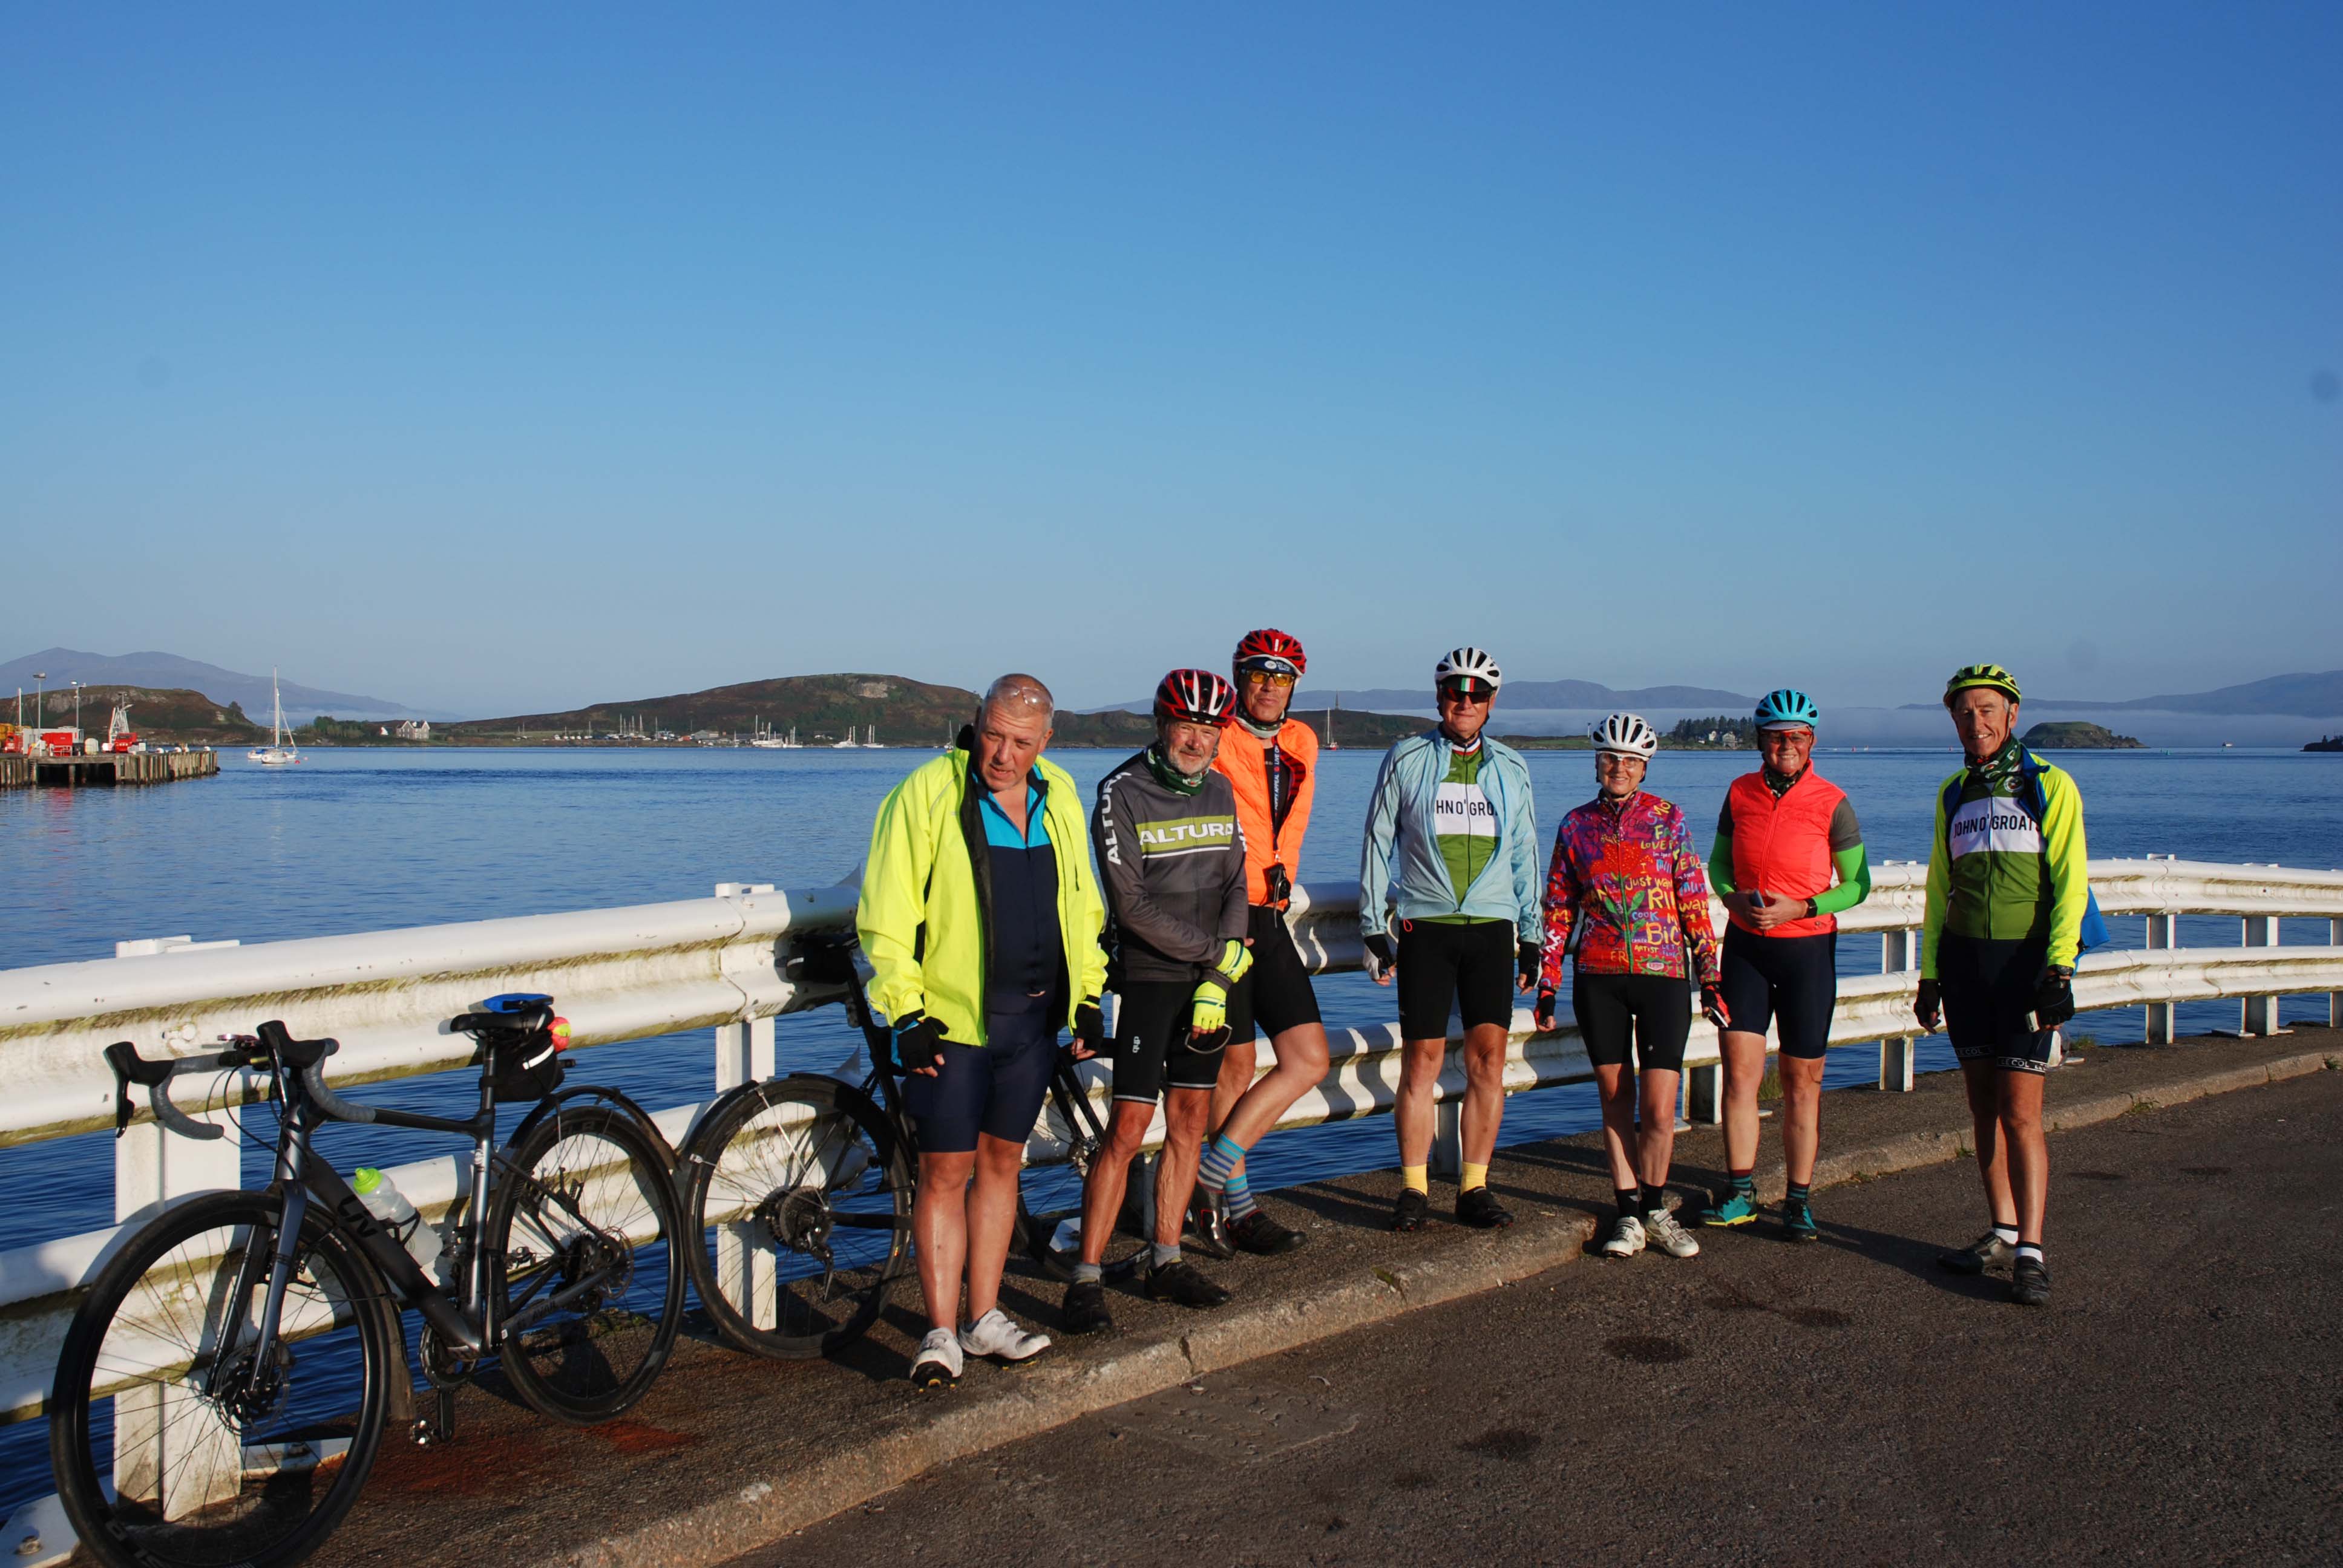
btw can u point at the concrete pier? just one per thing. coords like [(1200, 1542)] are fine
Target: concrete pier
[(107, 771)]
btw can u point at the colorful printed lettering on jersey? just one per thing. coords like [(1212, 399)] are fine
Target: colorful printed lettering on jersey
[(1624, 877)]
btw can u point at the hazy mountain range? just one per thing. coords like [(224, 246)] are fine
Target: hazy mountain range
[(169, 671), (2307, 696)]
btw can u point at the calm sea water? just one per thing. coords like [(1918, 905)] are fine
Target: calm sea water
[(365, 840)]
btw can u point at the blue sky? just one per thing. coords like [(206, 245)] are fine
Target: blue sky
[(509, 362)]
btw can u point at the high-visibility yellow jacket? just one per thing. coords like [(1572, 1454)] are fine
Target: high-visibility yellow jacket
[(926, 914)]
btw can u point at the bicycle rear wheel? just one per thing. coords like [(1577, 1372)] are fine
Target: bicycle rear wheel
[(797, 1202), (587, 1222), (172, 1441)]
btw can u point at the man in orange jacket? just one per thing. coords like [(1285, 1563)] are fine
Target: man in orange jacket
[(1272, 762)]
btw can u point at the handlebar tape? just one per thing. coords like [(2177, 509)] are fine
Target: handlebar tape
[(313, 1078)]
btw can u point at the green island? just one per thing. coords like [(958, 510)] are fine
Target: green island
[(2075, 734)]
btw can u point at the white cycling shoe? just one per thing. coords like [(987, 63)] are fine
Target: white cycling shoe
[(938, 1364), (1627, 1238), (1665, 1235), (997, 1334)]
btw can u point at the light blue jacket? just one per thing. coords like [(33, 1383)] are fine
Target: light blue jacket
[(1400, 869)]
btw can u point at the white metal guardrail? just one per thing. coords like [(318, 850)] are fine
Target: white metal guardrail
[(631, 973)]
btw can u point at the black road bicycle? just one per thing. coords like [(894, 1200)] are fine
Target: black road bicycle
[(225, 1383), (798, 1191)]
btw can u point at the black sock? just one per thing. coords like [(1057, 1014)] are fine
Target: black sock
[(1630, 1200), (1655, 1197)]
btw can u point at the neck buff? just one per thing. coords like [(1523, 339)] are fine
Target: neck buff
[(1170, 777), (1466, 747), (1779, 783), (1263, 731)]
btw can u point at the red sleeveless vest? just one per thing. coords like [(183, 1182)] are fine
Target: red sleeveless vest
[(1782, 847)]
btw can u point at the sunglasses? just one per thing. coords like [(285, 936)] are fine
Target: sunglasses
[(1268, 678), (1471, 691)]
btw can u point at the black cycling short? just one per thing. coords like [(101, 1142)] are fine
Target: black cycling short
[(1276, 994), (1468, 965), (1151, 1049), (996, 1087), (1987, 987), (1792, 979), (1654, 1009)]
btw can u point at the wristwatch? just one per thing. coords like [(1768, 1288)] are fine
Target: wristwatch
[(1813, 911)]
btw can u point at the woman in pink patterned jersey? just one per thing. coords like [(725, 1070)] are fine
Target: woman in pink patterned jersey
[(1626, 881)]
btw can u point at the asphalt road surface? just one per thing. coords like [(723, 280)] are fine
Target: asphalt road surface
[(2181, 1398)]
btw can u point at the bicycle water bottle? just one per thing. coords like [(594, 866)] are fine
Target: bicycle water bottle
[(386, 1203)]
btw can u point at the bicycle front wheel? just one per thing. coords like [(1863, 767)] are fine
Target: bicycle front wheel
[(174, 1438), (586, 1221), (797, 1202)]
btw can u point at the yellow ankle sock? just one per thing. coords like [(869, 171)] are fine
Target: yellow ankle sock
[(1475, 1176), (1416, 1179)]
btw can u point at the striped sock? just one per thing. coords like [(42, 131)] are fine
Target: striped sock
[(1239, 1195), (1795, 1193), (1220, 1159)]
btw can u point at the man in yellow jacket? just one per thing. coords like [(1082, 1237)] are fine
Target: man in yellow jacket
[(980, 916)]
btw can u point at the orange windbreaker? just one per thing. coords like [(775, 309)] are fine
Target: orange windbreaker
[(1244, 758)]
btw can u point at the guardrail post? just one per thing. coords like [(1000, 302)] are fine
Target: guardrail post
[(1899, 952), (744, 1054), (1705, 1093), (2162, 936), (2258, 1014), (1448, 1138), (2335, 998), (185, 1458)]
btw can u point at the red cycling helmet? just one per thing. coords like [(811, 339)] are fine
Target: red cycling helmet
[(1272, 651), (1196, 695)]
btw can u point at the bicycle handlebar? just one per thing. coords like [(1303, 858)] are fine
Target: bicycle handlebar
[(274, 1046)]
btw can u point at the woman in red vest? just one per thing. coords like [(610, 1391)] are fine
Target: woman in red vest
[(1788, 858)]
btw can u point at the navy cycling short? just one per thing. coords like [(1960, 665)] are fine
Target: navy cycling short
[(1987, 987), (1276, 994), (1790, 980), (1153, 1045), (996, 1087)]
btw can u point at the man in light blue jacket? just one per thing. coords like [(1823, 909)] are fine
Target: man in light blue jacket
[(1451, 857)]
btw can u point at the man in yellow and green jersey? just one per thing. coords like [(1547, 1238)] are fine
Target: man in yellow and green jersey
[(2008, 887)]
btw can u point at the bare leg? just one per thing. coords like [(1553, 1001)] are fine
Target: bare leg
[(1301, 1057), (1745, 1069), (1802, 1116), (1185, 1112), (1126, 1130), (1616, 1086), (939, 1230), (1484, 1090), (1984, 1123), (991, 1219), (1419, 1071), (2029, 1150), (1655, 1143)]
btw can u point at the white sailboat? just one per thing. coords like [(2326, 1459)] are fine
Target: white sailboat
[(279, 752)]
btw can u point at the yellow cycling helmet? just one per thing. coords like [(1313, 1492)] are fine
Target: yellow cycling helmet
[(1987, 675)]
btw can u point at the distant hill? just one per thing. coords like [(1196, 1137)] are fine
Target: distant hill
[(2305, 696), (822, 708), (167, 715), (1538, 694), (168, 671)]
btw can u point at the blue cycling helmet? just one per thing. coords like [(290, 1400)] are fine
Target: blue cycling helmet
[(1788, 709)]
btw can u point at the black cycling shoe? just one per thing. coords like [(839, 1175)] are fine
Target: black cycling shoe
[(1180, 1283), (2029, 1283), (1987, 1252), (1263, 1237), (1408, 1214), (1479, 1209), (1085, 1310), (1206, 1228)]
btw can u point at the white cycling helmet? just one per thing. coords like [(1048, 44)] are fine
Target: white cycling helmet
[(1625, 733), (1462, 663)]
